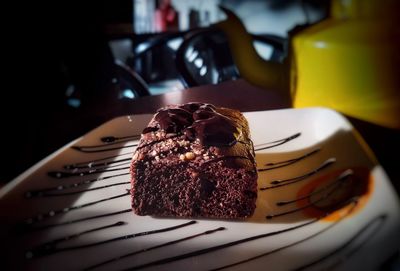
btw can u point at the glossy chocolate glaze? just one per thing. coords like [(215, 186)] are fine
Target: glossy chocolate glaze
[(197, 121)]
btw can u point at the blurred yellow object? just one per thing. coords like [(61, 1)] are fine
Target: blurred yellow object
[(349, 62)]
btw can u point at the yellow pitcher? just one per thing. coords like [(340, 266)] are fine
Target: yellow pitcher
[(349, 62)]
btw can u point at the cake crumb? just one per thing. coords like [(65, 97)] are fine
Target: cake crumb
[(189, 155)]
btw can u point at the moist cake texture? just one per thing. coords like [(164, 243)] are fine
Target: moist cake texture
[(195, 160)]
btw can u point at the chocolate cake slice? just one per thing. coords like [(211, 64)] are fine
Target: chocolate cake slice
[(195, 160)]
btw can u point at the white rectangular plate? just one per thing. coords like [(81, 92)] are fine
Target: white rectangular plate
[(329, 206)]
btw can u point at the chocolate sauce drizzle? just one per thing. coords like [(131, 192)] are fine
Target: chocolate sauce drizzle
[(338, 183), (222, 246), (342, 177), (275, 143), (93, 165), (89, 164), (155, 247), (65, 174), (31, 227), (41, 217), (99, 146), (50, 247), (83, 190), (354, 204), (271, 166), (47, 191), (110, 139), (92, 149), (279, 183), (376, 222)]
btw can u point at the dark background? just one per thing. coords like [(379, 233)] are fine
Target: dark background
[(47, 46)]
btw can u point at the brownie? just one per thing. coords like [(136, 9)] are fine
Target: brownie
[(195, 160)]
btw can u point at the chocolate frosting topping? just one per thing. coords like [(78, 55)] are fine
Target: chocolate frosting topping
[(197, 121), (174, 120)]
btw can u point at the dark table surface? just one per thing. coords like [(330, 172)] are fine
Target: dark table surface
[(237, 94)]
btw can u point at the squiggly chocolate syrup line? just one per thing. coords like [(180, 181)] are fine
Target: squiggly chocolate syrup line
[(50, 247), (43, 192), (288, 162), (155, 247), (275, 143), (41, 217), (83, 190), (124, 237), (291, 244), (64, 174), (83, 149), (88, 164), (340, 178), (106, 143), (110, 139), (279, 183), (379, 220), (30, 227), (102, 164), (339, 183), (222, 246), (354, 250)]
